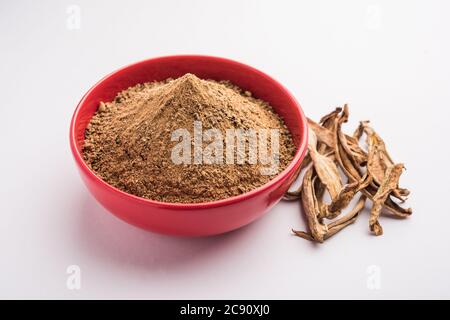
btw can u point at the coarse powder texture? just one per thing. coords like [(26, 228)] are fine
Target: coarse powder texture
[(128, 142)]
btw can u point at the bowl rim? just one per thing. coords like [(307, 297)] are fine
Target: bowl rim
[(298, 157)]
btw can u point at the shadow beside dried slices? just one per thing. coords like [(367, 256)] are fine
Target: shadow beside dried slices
[(369, 175)]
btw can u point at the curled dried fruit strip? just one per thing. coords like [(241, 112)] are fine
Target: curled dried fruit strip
[(327, 171), (311, 207), (348, 219), (346, 196), (327, 121), (379, 160), (390, 205), (355, 153), (344, 154), (349, 143), (337, 225), (351, 146), (323, 134), (389, 183)]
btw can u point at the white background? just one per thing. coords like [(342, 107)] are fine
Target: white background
[(388, 59)]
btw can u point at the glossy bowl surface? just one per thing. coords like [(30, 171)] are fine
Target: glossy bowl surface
[(199, 219)]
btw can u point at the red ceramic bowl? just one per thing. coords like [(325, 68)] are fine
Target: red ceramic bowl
[(199, 219)]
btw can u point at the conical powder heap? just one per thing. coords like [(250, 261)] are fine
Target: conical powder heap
[(129, 141)]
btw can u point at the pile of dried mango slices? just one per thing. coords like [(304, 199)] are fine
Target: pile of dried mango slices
[(337, 164)]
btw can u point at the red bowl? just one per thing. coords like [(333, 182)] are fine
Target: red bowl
[(199, 219)]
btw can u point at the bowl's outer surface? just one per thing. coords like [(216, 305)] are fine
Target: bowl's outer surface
[(190, 219)]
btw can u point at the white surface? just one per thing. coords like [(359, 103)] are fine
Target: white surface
[(388, 59)]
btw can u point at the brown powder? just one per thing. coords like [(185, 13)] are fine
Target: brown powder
[(129, 141)]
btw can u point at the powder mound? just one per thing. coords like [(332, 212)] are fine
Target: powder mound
[(129, 143)]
